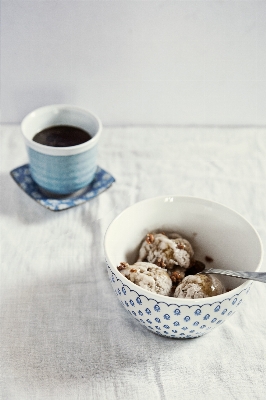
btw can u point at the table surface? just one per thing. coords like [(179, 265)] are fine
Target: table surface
[(64, 334)]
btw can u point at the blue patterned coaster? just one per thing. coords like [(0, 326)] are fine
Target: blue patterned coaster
[(102, 181)]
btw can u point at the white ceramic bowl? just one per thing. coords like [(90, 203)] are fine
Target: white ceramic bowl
[(213, 230)]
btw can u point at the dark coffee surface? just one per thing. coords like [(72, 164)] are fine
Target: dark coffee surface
[(62, 136)]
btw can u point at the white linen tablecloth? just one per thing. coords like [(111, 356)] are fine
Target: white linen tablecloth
[(64, 334)]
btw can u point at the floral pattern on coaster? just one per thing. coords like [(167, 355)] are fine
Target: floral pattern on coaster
[(21, 175)]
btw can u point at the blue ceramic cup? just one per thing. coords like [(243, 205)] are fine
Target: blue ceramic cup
[(62, 170)]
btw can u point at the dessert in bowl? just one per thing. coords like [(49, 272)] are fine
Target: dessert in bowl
[(217, 234)]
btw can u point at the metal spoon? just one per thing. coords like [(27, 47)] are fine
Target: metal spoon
[(198, 267), (255, 276)]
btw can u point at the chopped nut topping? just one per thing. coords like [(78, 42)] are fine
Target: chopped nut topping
[(149, 238), (181, 246), (122, 265), (160, 263), (133, 270), (176, 277)]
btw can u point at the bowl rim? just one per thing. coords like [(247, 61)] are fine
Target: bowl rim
[(179, 300)]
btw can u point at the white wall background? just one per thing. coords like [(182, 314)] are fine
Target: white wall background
[(136, 62)]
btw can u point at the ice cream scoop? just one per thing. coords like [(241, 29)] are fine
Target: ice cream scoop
[(199, 286), (148, 276), (166, 252)]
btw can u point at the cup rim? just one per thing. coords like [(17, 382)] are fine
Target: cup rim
[(61, 151)]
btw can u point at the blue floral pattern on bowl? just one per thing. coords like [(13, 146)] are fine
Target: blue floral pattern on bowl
[(171, 320), (21, 175)]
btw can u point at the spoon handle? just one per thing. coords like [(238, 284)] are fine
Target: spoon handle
[(255, 276)]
